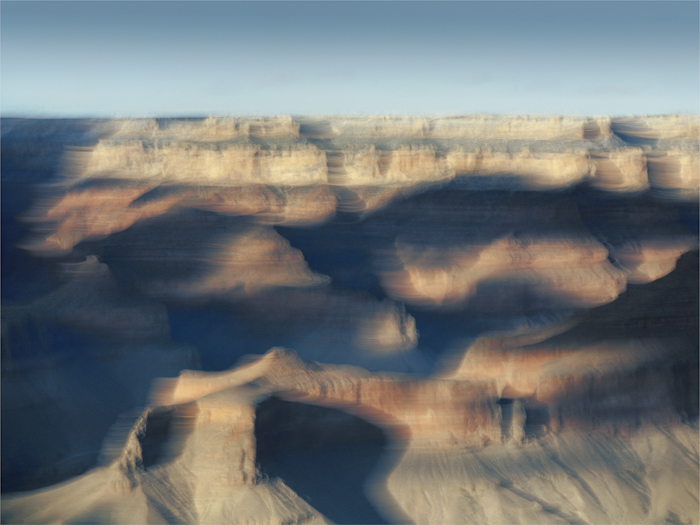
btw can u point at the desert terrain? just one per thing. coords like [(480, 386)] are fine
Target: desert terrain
[(350, 319)]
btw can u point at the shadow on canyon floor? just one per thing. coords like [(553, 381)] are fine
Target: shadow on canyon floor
[(325, 455)]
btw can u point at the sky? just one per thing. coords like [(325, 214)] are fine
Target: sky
[(140, 59)]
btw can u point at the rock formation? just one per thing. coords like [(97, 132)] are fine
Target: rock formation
[(470, 319)]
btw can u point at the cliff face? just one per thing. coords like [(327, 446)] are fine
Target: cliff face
[(489, 319), (193, 457), (313, 169)]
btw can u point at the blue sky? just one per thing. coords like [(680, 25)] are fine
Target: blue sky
[(265, 58)]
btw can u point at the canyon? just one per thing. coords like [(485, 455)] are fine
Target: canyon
[(359, 319)]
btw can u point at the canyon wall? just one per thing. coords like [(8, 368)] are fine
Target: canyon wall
[(490, 318)]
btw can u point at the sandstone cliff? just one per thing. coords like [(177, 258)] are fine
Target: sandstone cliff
[(493, 319)]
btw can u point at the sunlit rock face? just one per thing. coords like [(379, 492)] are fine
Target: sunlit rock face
[(469, 319), (498, 253)]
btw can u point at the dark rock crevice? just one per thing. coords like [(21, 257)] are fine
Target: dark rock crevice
[(325, 455)]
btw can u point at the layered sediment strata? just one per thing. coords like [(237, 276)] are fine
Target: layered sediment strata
[(570, 273), (390, 155), (85, 348), (380, 249), (245, 262), (202, 164), (621, 171), (438, 413), (91, 302), (204, 470), (612, 368), (675, 172), (490, 127), (658, 127), (213, 477), (651, 258)]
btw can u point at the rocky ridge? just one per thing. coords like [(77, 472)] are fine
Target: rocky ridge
[(504, 307)]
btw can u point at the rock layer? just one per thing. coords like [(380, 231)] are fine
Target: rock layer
[(493, 319), (486, 152)]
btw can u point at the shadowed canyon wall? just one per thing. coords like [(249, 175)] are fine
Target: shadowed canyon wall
[(470, 319)]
